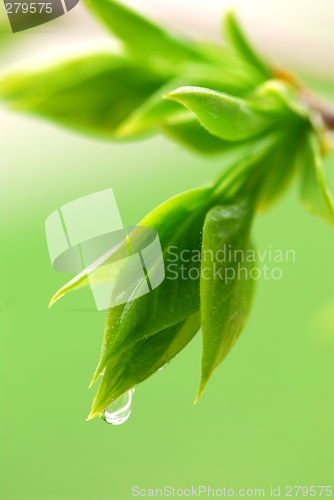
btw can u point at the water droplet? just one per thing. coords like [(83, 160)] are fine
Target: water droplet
[(119, 411)]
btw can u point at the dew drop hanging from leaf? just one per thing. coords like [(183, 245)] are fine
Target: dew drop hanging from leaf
[(119, 411)]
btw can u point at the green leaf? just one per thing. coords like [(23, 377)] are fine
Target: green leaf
[(225, 290), (139, 361), (243, 174), (227, 117), (234, 34), (142, 37), (79, 281), (234, 70), (279, 99), (316, 194), (279, 167), (193, 135), (93, 93), (178, 223)]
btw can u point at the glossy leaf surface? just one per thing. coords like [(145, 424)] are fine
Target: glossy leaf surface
[(179, 223), (226, 283), (226, 117), (139, 361), (234, 34), (141, 36)]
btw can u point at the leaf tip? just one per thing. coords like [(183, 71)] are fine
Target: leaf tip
[(167, 95), (200, 392), (54, 299), (97, 373), (175, 95), (94, 412), (230, 14), (91, 416), (92, 382)]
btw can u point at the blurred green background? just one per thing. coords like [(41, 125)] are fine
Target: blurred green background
[(266, 418)]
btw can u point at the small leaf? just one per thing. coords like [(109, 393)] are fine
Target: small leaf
[(243, 174), (142, 37), (279, 167), (316, 194), (226, 291), (234, 34), (227, 117), (235, 71), (93, 93), (79, 281), (192, 134), (139, 361), (279, 99)]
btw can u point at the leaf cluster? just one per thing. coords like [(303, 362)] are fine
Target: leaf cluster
[(213, 100)]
